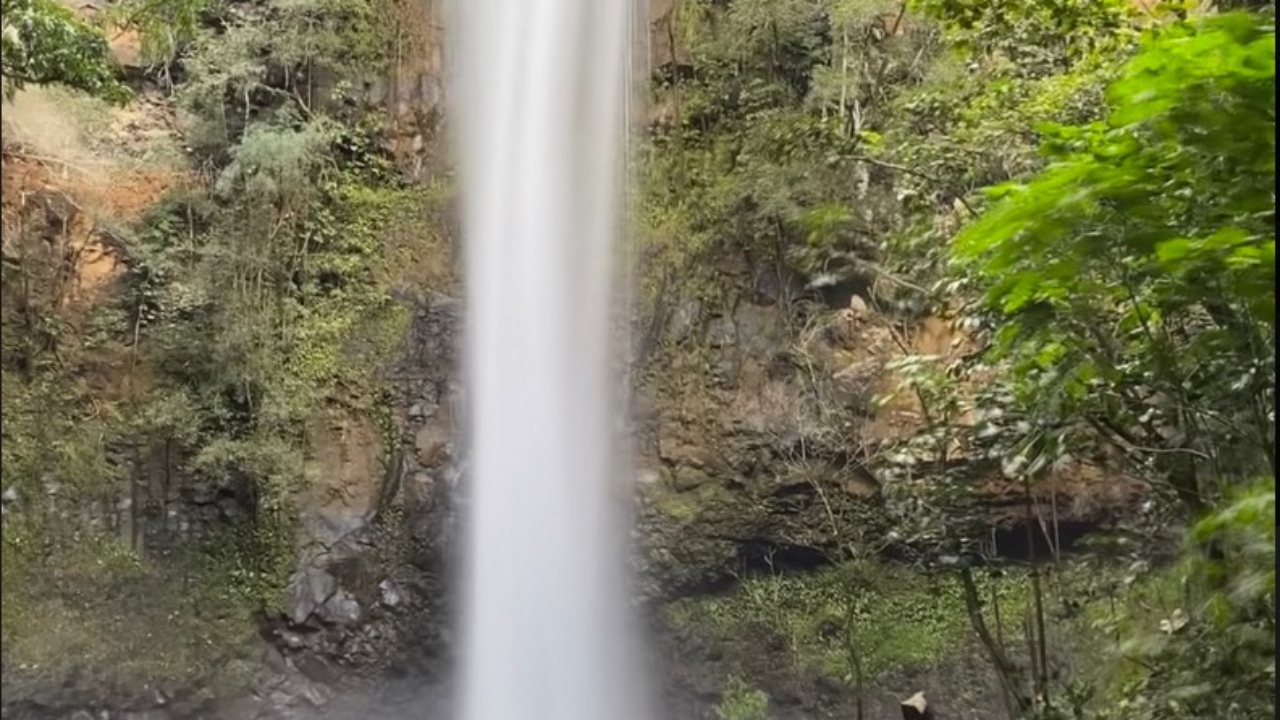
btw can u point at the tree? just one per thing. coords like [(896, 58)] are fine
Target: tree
[(45, 43), (1132, 281)]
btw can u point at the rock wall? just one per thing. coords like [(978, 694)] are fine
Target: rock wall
[(368, 602), (413, 93)]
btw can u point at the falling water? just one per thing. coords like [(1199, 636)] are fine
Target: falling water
[(541, 92)]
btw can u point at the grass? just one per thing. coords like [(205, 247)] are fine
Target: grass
[(87, 606), (900, 617), (775, 633)]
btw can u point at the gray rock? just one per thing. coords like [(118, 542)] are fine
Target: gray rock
[(431, 442), (160, 697), (314, 693), (202, 494), (329, 526), (340, 609), (390, 594), (315, 668), (757, 330), (726, 371), (420, 410), (247, 707), (229, 509), (688, 478), (684, 319), (292, 640), (153, 714), (429, 89), (722, 333), (274, 659), (452, 474), (375, 89), (293, 689), (308, 590)]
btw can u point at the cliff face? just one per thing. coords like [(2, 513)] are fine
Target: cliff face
[(123, 603)]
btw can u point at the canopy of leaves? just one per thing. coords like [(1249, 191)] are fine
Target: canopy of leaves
[(165, 27), (1133, 280), (45, 43), (1035, 37), (1179, 181)]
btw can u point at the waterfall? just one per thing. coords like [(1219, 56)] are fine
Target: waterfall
[(541, 90)]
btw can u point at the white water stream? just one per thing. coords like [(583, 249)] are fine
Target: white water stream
[(541, 89)]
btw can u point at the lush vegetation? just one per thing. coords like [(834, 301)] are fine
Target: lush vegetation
[(868, 617), (1158, 222), (1130, 288), (1086, 187), (251, 306), (46, 43)]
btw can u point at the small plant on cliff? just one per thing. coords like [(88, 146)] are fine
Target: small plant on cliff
[(740, 701)]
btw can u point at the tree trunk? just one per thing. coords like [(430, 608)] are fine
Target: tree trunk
[(1005, 668)]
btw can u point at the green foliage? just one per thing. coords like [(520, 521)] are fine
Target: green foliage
[(1134, 175), (246, 566), (1244, 532), (68, 569), (44, 43), (54, 453), (1033, 38), (851, 115), (770, 125), (740, 701), (165, 27), (259, 320), (1126, 260), (265, 301), (1133, 279), (1129, 287), (269, 58), (250, 307), (86, 602), (974, 121), (896, 617), (1212, 653)]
